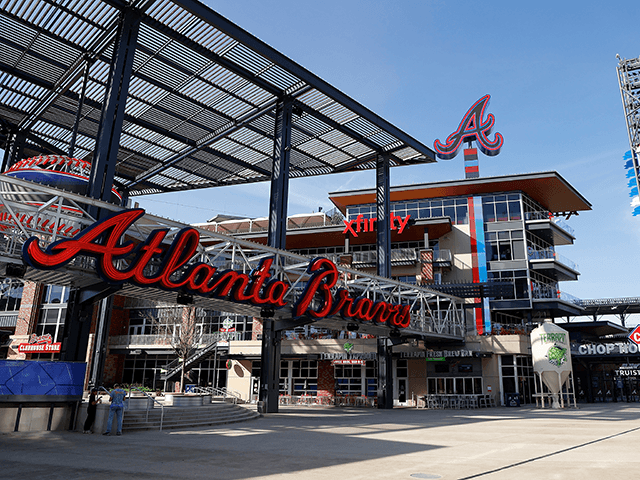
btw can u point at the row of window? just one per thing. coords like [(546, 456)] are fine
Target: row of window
[(455, 208), (495, 208), (501, 208), (145, 370)]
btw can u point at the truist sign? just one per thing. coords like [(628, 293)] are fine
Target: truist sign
[(361, 224), (104, 240)]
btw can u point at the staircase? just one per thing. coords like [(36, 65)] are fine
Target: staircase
[(175, 367), (210, 415)]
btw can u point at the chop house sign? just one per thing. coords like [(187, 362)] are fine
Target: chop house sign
[(104, 241)]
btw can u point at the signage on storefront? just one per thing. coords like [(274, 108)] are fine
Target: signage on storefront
[(40, 344), (105, 241), (361, 224), (618, 348), (634, 336), (471, 128), (348, 361), (448, 353), (628, 371), (348, 356)]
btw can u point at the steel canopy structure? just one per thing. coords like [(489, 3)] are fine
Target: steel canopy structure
[(434, 316), (163, 96), (201, 104)]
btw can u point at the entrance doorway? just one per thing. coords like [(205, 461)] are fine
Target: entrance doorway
[(401, 387)]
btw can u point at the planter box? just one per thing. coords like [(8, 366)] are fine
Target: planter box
[(140, 403), (186, 400)]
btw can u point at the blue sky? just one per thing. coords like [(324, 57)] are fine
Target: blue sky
[(550, 68)]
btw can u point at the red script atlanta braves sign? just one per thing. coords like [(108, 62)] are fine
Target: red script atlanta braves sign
[(104, 241)]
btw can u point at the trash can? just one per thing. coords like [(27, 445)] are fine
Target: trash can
[(189, 388), (512, 399)]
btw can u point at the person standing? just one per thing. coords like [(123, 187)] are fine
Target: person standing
[(94, 400), (117, 406)]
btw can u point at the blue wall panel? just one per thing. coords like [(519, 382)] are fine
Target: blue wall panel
[(31, 377)]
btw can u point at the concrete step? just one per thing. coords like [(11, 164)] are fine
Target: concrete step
[(188, 418), (212, 415)]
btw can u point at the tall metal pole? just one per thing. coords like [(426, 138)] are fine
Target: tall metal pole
[(105, 158), (383, 212), (277, 238), (383, 246)]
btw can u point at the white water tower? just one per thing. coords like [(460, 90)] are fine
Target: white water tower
[(551, 354)]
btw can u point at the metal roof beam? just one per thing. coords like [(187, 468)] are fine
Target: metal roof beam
[(218, 21), (226, 131), (228, 64)]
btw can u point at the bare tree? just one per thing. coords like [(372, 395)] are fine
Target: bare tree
[(178, 326)]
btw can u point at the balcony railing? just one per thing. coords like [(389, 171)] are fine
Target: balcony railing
[(402, 255), (551, 254), (166, 341), (541, 291), (397, 255), (442, 256), (559, 221), (261, 225), (8, 319)]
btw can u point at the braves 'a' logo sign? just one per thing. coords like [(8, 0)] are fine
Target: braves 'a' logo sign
[(472, 128)]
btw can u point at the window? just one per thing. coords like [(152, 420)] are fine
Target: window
[(356, 379), (519, 278), (55, 294), (454, 385), (52, 316), (10, 294), (517, 376), (299, 377), (501, 208), (505, 245), (455, 208)]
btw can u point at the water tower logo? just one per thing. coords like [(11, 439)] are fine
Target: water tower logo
[(556, 354)]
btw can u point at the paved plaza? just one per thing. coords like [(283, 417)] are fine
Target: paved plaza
[(592, 442)]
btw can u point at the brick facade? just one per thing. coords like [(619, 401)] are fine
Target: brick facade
[(256, 329), (27, 319), (326, 379)]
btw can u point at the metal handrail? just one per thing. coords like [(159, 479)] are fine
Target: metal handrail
[(223, 392), (153, 399)]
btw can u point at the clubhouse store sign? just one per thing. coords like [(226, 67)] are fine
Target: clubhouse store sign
[(105, 241)]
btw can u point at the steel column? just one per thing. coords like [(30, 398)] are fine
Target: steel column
[(77, 325), (270, 366), (108, 140), (100, 341), (15, 149), (383, 211), (385, 373), (277, 238)]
